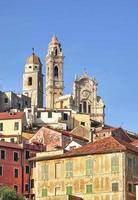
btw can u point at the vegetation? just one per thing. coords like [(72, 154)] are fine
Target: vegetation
[(7, 193)]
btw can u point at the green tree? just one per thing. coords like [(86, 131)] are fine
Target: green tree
[(7, 193)]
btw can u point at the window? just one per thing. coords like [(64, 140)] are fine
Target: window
[(44, 192), (129, 164), (38, 114), (69, 190), (27, 154), (2, 154), (56, 72), (16, 188), (89, 167), (16, 126), (27, 170), (15, 156), (44, 172), (69, 169), (80, 108), (129, 187), (49, 114), (89, 188), (65, 116), (16, 173), (115, 164), (1, 126), (89, 108), (30, 67), (32, 183), (115, 187), (6, 100), (84, 107), (57, 191), (3, 140), (26, 187), (56, 51), (58, 170), (1, 170), (72, 147), (30, 81), (83, 123), (12, 140)]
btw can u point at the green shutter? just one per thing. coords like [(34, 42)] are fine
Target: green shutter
[(69, 190), (89, 188), (44, 172), (44, 192), (89, 167), (115, 164), (69, 169)]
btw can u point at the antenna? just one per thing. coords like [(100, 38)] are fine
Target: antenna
[(32, 50)]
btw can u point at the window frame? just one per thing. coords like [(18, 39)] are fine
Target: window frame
[(49, 115), (27, 154), (44, 172), (17, 153), (27, 169), (115, 187), (114, 166), (69, 169), (1, 170), (69, 190), (44, 192), (2, 150), (1, 126), (16, 170), (89, 167), (16, 126), (30, 81), (15, 187), (89, 188)]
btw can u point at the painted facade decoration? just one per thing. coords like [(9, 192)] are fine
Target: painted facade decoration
[(105, 169)]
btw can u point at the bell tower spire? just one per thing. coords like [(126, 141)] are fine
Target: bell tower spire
[(54, 73)]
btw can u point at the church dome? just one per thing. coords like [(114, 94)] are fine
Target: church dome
[(33, 59)]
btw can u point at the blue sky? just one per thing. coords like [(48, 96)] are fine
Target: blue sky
[(99, 35)]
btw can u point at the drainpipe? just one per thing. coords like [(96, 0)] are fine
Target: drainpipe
[(124, 174)]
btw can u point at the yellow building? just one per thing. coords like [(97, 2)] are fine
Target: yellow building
[(11, 125), (103, 170)]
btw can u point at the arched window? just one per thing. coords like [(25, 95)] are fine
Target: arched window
[(56, 52), (84, 107), (56, 71)]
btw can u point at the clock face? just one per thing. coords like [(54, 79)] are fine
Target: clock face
[(85, 94)]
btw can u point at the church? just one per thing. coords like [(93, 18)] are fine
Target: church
[(83, 98)]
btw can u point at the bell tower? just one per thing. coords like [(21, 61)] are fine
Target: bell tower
[(54, 73), (33, 80)]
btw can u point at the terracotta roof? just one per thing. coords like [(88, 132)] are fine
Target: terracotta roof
[(74, 136), (8, 115), (122, 134), (9, 136), (135, 142), (109, 129), (106, 145), (10, 145)]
